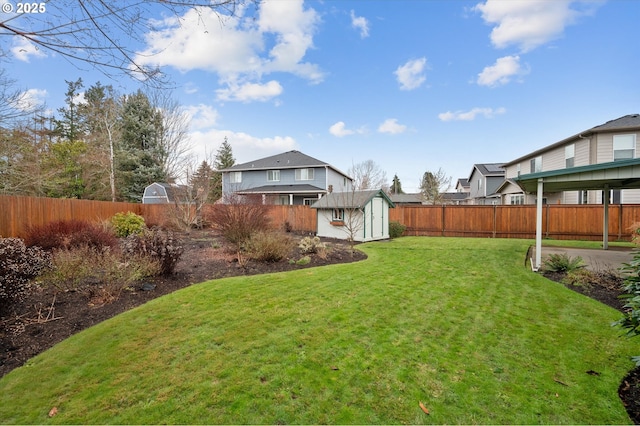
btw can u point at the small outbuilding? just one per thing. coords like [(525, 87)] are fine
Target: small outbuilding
[(358, 215), (164, 193)]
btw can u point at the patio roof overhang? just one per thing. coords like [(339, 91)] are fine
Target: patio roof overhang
[(624, 174)]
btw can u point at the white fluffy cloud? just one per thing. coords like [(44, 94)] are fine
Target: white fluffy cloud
[(530, 23), (202, 116), (240, 49), (411, 74), (31, 99), (471, 115), (501, 72), (391, 126), (361, 24), (24, 50), (250, 92), (245, 147), (339, 129)]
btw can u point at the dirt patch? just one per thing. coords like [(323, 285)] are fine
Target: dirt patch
[(46, 316)]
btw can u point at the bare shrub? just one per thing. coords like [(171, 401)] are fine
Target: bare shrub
[(18, 265), (68, 234), (269, 246), (239, 218), (158, 244)]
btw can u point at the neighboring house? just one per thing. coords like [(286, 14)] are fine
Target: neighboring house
[(358, 215), (165, 193), (609, 142), (462, 185), (483, 181), (288, 178), (456, 198), (406, 199)]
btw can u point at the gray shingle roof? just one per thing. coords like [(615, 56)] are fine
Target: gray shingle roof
[(277, 189), (350, 200), (489, 169), (289, 159), (627, 122)]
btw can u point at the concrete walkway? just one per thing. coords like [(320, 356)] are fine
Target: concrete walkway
[(595, 259)]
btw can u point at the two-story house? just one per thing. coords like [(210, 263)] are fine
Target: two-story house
[(483, 182), (612, 141), (290, 178)]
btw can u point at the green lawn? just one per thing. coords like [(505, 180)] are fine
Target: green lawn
[(458, 324)]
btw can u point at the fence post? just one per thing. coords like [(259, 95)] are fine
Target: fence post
[(444, 223), (495, 212)]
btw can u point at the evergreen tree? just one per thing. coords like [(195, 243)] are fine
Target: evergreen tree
[(433, 185), (201, 182), (139, 159), (396, 186), (224, 159)]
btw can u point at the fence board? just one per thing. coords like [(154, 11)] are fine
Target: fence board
[(17, 213)]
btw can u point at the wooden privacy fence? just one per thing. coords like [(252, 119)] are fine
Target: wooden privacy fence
[(562, 222), (18, 213), (583, 222)]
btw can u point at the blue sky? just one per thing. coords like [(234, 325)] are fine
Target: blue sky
[(412, 85)]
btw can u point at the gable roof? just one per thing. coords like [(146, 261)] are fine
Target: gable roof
[(629, 122), (488, 169), (286, 160), (350, 200), (463, 182)]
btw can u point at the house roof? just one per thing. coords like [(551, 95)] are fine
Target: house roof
[(505, 184), (351, 200), (487, 169), (623, 174), (279, 189), (463, 182), (406, 198), (286, 160), (455, 196), (629, 122)]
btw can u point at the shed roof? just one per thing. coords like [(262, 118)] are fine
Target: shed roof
[(350, 200)]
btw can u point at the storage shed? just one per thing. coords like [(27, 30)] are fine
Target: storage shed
[(164, 193), (358, 215)]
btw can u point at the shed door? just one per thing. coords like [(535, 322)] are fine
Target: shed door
[(377, 219)]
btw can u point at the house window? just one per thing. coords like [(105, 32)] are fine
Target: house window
[(624, 147), (569, 155), (517, 199), (518, 169), (309, 201), (337, 215), (304, 174), (235, 177), (273, 175), (536, 165)]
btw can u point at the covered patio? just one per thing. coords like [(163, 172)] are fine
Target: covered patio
[(623, 174)]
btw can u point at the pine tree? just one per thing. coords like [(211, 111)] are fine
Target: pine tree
[(396, 186), (224, 159), (202, 182), (139, 160)]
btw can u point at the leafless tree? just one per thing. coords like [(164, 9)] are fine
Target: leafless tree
[(174, 138), (368, 175), (434, 185), (99, 33)]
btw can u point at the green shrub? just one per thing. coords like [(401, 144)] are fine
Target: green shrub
[(311, 245), (396, 229), (269, 246), (562, 263), (18, 265), (66, 234), (157, 244), (129, 223), (580, 277), (303, 261)]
